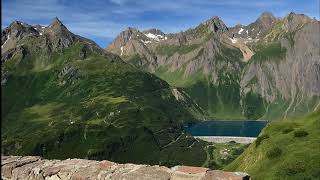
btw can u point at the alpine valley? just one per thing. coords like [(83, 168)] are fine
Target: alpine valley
[(63, 96)]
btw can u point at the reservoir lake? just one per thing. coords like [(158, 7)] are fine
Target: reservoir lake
[(240, 128)]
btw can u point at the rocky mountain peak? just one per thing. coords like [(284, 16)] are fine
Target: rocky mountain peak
[(14, 32), (267, 14), (126, 35), (216, 24), (56, 22), (131, 30), (154, 31), (18, 26), (293, 20), (297, 17), (122, 39), (58, 29), (57, 26), (266, 20)]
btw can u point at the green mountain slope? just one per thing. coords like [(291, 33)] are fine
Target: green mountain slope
[(288, 149), (64, 97)]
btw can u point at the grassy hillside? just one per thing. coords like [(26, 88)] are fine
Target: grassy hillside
[(288, 149), (61, 105)]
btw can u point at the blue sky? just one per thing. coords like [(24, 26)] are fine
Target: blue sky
[(102, 20)]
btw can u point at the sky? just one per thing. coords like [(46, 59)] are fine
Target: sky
[(103, 20)]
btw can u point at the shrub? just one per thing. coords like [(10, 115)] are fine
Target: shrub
[(300, 133), (261, 138), (274, 152), (237, 151), (287, 130), (291, 168), (213, 165)]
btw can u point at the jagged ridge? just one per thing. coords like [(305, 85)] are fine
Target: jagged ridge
[(207, 60)]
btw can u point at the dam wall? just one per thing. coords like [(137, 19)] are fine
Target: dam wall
[(225, 139)]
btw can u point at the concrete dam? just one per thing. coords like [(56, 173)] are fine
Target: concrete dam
[(226, 139)]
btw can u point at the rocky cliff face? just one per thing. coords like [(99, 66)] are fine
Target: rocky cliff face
[(292, 74), (34, 167), (248, 63)]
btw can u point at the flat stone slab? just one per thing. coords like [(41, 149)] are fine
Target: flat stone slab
[(34, 167)]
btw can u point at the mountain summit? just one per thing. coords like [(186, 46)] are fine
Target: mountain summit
[(56, 22), (265, 21)]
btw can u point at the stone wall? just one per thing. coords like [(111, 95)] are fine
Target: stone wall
[(34, 167)]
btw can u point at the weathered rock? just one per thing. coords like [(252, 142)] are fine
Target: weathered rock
[(297, 75), (34, 167)]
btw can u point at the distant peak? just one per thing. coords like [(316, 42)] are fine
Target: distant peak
[(298, 18), (56, 21), (131, 29), (266, 14), (216, 24), (215, 18), (154, 31), (266, 20), (15, 23), (291, 13)]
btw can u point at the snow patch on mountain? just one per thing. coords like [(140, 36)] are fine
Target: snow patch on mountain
[(240, 31), (156, 37), (145, 42), (121, 48), (233, 40), (6, 41)]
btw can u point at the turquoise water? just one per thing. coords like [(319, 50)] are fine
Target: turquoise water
[(227, 128)]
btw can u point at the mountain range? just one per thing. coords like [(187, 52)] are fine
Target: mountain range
[(265, 70), (63, 96)]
